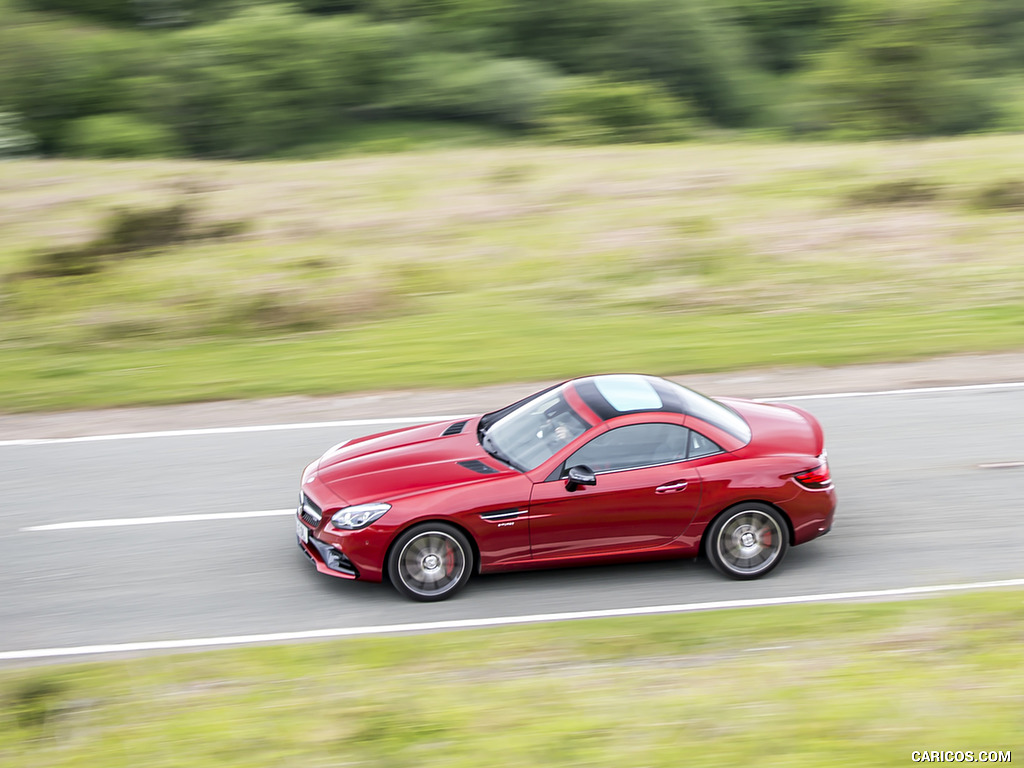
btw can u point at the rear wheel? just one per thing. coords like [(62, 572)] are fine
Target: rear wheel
[(430, 562), (747, 541)]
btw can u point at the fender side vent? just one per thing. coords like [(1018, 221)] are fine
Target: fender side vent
[(501, 514), (454, 429), (478, 466)]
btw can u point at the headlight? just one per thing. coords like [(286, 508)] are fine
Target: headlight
[(359, 516)]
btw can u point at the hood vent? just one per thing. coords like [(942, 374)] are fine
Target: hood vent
[(454, 429), (478, 466)]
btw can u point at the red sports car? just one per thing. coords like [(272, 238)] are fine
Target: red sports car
[(603, 468)]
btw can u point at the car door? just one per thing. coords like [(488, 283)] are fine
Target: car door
[(645, 496)]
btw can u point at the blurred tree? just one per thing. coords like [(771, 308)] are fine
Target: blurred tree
[(268, 79), (784, 32), (592, 110), (14, 139), (900, 70), (54, 73), (150, 13), (247, 77), (118, 135), (998, 31), (684, 44), (115, 11), (469, 86), (331, 6), (687, 45)]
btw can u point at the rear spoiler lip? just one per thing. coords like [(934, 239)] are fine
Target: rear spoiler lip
[(819, 433)]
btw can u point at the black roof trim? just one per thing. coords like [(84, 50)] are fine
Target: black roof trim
[(588, 390)]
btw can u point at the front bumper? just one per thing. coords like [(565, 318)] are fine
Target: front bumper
[(327, 559), (356, 554)]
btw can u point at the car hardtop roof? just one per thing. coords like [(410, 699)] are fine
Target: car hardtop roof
[(614, 394)]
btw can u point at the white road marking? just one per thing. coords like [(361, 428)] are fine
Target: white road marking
[(1002, 465), (499, 621), (450, 417), (120, 521), (235, 430), (888, 392)]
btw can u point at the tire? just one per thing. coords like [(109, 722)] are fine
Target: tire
[(747, 541), (430, 562)]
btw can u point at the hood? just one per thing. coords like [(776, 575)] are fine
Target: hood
[(405, 461), (779, 428)]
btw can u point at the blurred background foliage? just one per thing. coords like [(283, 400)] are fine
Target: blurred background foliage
[(242, 78)]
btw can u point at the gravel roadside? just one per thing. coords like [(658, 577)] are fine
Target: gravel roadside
[(945, 371)]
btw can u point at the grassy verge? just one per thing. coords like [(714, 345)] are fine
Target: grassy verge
[(465, 267), (794, 686)]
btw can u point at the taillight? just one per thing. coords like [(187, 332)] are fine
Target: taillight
[(816, 477)]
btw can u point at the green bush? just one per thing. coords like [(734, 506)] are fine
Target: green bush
[(996, 31), (271, 78), (686, 46), (71, 262), (593, 110), (783, 33), (125, 233), (37, 700), (130, 233), (331, 6), (54, 73), (468, 86), (14, 140), (150, 13), (240, 78), (119, 135), (1001, 196), (900, 71), (895, 192), (134, 231), (115, 11)]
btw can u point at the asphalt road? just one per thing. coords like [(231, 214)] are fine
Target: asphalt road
[(917, 507)]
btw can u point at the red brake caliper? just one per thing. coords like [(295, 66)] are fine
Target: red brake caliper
[(449, 561)]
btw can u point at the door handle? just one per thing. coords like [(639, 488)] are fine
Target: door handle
[(674, 487)]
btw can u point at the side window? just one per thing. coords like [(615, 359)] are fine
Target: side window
[(637, 445), (701, 446)]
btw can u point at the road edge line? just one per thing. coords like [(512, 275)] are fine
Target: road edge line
[(456, 624)]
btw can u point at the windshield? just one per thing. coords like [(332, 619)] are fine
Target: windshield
[(532, 433)]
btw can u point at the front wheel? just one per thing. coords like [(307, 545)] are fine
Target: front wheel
[(430, 562), (747, 541)]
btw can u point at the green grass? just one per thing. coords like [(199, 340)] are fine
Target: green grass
[(853, 684), (464, 267)]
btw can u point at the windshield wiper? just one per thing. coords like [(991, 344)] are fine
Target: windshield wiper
[(493, 450)]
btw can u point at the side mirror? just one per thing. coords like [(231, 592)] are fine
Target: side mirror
[(579, 476)]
